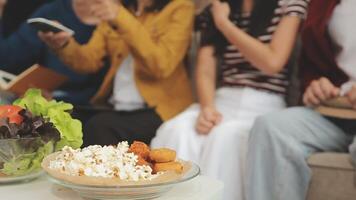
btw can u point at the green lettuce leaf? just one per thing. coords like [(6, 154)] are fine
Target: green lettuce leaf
[(57, 113), (27, 163)]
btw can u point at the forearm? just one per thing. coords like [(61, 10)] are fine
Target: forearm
[(254, 51), (270, 57), (87, 58), (78, 58), (206, 77), (206, 91)]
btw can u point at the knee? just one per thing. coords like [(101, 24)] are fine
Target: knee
[(264, 124), (90, 125), (230, 131), (268, 129), (176, 131), (278, 124), (168, 131), (95, 131), (272, 133), (98, 122), (179, 125)]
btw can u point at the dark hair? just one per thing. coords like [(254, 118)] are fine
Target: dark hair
[(261, 17), (156, 6)]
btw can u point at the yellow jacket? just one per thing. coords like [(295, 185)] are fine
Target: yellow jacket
[(158, 41)]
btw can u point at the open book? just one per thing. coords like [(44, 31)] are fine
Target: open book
[(339, 108), (34, 77)]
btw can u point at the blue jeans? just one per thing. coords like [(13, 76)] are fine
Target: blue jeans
[(279, 145)]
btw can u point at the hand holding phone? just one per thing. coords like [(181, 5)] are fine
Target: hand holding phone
[(54, 34), (55, 40)]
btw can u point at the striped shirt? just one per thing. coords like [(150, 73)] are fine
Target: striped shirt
[(238, 72)]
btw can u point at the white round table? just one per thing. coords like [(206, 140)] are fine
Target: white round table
[(200, 188)]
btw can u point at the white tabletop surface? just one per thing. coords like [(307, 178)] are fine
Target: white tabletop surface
[(200, 188)]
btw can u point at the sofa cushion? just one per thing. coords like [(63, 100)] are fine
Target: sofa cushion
[(333, 177)]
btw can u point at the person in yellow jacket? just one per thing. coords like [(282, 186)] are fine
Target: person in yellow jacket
[(146, 42)]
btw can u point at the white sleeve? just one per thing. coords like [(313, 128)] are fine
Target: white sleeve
[(342, 30)]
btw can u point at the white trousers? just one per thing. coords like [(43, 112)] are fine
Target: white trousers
[(222, 153)]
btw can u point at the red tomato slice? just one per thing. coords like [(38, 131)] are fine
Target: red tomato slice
[(11, 112)]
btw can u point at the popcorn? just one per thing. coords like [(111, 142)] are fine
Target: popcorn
[(98, 161)]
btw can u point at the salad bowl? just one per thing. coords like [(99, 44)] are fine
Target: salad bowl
[(19, 159), (31, 128)]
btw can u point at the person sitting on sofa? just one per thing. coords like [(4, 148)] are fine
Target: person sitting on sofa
[(253, 43), (147, 82), (23, 48), (281, 142)]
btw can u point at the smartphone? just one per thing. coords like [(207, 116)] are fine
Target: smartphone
[(45, 25)]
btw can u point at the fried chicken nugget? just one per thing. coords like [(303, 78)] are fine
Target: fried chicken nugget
[(162, 155), (141, 162), (140, 149), (169, 166)]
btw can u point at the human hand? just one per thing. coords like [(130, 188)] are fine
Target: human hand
[(220, 11), (351, 96), (2, 5), (105, 10), (55, 40), (319, 91), (207, 119)]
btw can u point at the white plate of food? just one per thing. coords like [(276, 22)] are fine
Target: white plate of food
[(120, 172)]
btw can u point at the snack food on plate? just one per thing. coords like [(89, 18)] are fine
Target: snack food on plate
[(127, 163), (32, 128), (98, 161), (114, 172), (162, 155), (168, 166), (162, 159), (140, 149)]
